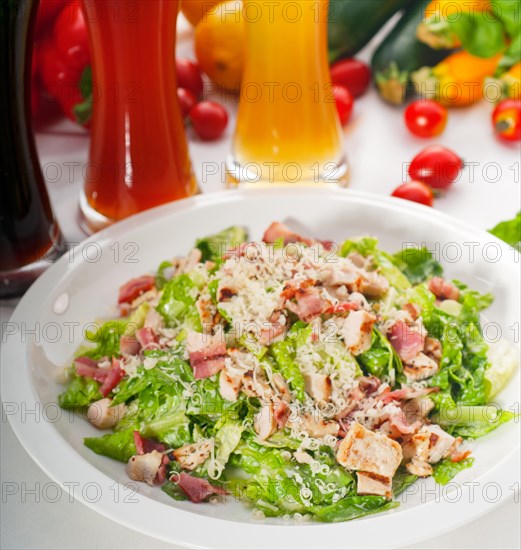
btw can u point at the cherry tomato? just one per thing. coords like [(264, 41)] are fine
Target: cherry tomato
[(507, 120), (415, 191), (436, 166), (208, 120), (189, 76), (344, 103), (426, 118), (352, 74), (186, 100), (70, 36), (60, 80)]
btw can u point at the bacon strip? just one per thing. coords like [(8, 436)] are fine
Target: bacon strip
[(144, 445), (406, 393), (146, 337), (443, 290), (196, 488), (278, 231), (88, 368), (207, 354), (406, 341), (114, 376), (134, 288)]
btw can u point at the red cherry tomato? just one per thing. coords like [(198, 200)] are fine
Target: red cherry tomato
[(352, 74), (344, 103), (436, 166), (415, 191), (208, 120), (70, 36), (186, 101), (426, 118), (189, 76), (507, 120), (60, 80)]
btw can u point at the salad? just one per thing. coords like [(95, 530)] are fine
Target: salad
[(304, 378)]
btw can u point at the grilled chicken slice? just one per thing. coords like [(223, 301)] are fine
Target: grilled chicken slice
[(420, 368), (357, 331), (144, 467), (366, 451), (190, 456), (318, 387), (431, 444)]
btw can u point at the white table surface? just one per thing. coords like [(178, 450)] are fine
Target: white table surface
[(33, 512)]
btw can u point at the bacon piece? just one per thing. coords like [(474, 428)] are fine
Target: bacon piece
[(207, 354), (369, 384), (443, 290), (161, 472), (144, 445), (278, 231), (281, 413), (309, 305), (406, 393), (129, 345), (113, 378), (398, 422), (342, 307), (458, 456), (88, 368), (407, 341), (134, 288), (196, 488), (146, 338)]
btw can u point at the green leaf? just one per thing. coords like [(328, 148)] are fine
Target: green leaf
[(354, 507), (284, 352), (119, 445), (86, 82), (509, 231), (177, 304), (160, 277), (214, 247), (401, 480), (509, 13), (417, 264), (446, 470), (81, 392), (479, 35), (380, 359)]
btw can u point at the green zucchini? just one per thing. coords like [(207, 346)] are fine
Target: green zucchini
[(352, 24), (400, 54)]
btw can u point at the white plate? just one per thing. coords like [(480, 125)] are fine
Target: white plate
[(83, 285)]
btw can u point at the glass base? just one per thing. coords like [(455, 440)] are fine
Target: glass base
[(14, 282), (91, 221), (335, 174)]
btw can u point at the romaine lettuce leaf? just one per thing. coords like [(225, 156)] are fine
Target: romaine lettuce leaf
[(354, 507), (380, 359), (118, 445), (215, 246), (417, 264), (446, 470), (177, 304), (80, 392)]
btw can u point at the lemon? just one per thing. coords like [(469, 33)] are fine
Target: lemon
[(195, 10), (504, 361), (219, 44)]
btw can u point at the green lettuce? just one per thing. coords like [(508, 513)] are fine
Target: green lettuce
[(509, 231), (446, 470), (353, 507), (417, 264), (381, 358), (118, 445), (177, 304), (215, 246), (284, 353), (80, 392)]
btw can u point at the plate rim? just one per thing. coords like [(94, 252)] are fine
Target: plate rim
[(261, 534)]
